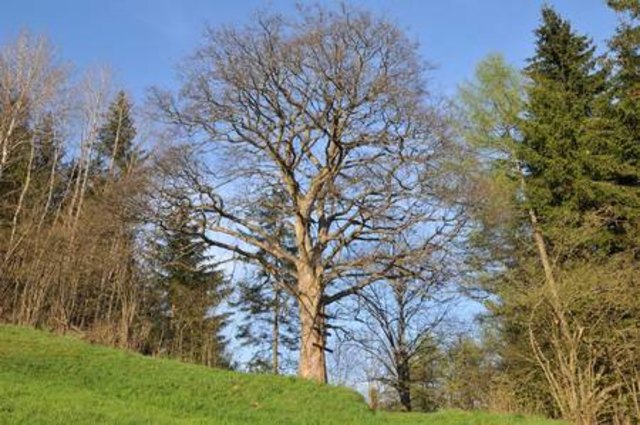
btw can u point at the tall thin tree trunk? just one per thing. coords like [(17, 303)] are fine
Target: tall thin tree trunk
[(23, 194), (50, 186), (116, 144), (275, 334), (4, 154), (544, 255)]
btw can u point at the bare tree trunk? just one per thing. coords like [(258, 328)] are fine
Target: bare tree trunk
[(312, 356), (544, 258), (23, 194), (4, 156), (275, 335), (404, 384), (116, 143), (50, 186)]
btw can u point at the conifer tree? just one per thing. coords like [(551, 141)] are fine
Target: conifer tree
[(15, 158), (270, 323), (269, 326), (560, 148), (193, 292), (116, 147), (625, 46), (580, 176), (624, 106), (48, 144), (47, 165)]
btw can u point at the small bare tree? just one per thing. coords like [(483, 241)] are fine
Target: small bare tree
[(330, 110), (397, 323)]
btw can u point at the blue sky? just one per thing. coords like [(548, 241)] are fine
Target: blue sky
[(143, 40)]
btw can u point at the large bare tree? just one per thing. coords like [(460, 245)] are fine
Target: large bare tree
[(329, 108)]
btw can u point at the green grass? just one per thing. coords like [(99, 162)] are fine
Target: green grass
[(48, 379)]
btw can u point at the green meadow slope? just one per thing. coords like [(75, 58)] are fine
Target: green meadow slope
[(48, 379)]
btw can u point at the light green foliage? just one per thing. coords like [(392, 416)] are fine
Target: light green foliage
[(50, 380), (492, 105)]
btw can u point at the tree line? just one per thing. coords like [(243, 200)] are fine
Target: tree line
[(305, 193), (77, 252)]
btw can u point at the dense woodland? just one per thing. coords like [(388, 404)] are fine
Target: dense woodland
[(304, 194)]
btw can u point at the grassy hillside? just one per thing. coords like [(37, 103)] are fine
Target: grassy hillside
[(47, 379)]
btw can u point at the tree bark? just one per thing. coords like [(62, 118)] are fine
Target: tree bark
[(540, 245), (544, 257), (312, 349), (404, 384)]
